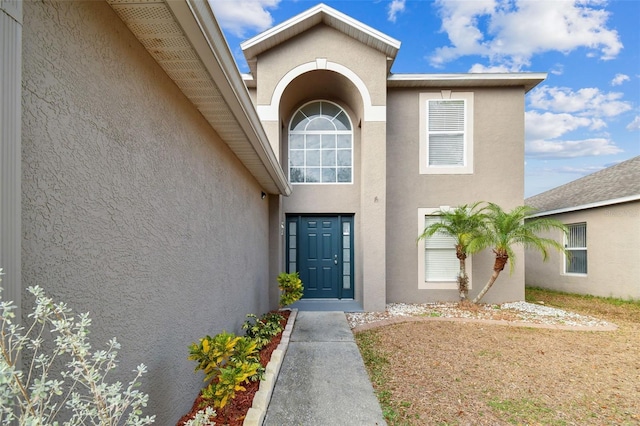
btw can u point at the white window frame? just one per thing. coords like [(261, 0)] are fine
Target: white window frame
[(435, 285), (467, 166), (306, 133), (570, 249)]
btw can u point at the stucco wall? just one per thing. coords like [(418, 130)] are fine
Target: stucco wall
[(498, 177), (322, 42), (364, 198), (133, 208), (613, 257)]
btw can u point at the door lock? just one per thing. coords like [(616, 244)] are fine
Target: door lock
[(335, 259)]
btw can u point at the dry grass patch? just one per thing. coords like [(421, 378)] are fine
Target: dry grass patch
[(456, 373)]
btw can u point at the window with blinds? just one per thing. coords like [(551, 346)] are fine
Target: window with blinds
[(446, 126), (440, 261), (576, 245), (446, 132)]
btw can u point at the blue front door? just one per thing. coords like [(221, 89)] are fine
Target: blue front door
[(320, 248)]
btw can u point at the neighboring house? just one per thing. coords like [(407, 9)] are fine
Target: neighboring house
[(142, 182), (602, 212)]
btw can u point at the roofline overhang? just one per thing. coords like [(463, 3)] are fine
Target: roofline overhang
[(594, 205), (200, 26), (526, 80), (327, 15)]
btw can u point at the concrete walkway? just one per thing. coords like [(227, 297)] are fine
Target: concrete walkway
[(322, 381)]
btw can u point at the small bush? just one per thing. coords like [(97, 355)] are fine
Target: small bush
[(80, 391), (228, 361), (291, 287), (263, 329), (204, 417)]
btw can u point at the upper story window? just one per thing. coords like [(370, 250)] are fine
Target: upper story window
[(576, 245), (446, 133), (320, 144)]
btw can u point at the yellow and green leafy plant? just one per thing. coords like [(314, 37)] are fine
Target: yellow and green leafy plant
[(291, 288), (229, 381), (228, 361)]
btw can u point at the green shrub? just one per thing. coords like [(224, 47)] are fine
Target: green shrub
[(291, 288), (228, 361), (263, 329)]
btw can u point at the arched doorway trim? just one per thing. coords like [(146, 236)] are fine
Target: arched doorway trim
[(371, 112)]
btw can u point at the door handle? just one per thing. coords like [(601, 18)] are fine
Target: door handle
[(335, 259)]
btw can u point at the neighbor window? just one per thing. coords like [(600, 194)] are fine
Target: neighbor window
[(320, 144), (576, 245), (446, 133), (438, 265)]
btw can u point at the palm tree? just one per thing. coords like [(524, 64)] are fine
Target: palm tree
[(503, 230), (461, 223)]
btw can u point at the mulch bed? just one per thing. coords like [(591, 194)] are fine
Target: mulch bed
[(236, 409)]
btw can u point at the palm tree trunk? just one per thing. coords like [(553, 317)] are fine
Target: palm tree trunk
[(501, 260), (487, 286), (463, 279)]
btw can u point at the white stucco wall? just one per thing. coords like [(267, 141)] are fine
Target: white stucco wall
[(133, 208)]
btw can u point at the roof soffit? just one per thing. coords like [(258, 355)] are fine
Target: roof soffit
[(320, 14), (185, 40)]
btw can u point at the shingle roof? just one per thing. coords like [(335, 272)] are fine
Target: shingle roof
[(613, 183)]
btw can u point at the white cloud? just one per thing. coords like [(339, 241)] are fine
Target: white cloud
[(619, 79), (511, 32), (634, 125), (543, 130), (395, 7), (240, 16), (570, 149), (547, 125), (479, 68), (587, 170), (589, 101), (558, 69)]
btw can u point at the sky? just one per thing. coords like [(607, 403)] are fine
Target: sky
[(584, 117)]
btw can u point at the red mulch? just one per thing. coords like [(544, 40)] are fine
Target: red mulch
[(236, 410)]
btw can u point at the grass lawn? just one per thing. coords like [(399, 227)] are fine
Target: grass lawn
[(452, 373)]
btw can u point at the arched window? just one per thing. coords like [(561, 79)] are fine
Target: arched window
[(320, 144)]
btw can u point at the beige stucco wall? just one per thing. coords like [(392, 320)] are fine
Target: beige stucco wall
[(364, 198), (133, 208), (322, 42), (613, 257), (498, 177)]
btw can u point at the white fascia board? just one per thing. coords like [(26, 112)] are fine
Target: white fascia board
[(320, 8), (372, 32), (529, 80), (603, 203), (198, 22)]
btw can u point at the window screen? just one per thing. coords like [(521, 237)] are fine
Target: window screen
[(576, 245)]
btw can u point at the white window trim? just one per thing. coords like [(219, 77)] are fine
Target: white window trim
[(467, 168), (349, 132), (435, 285), (565, 258)]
